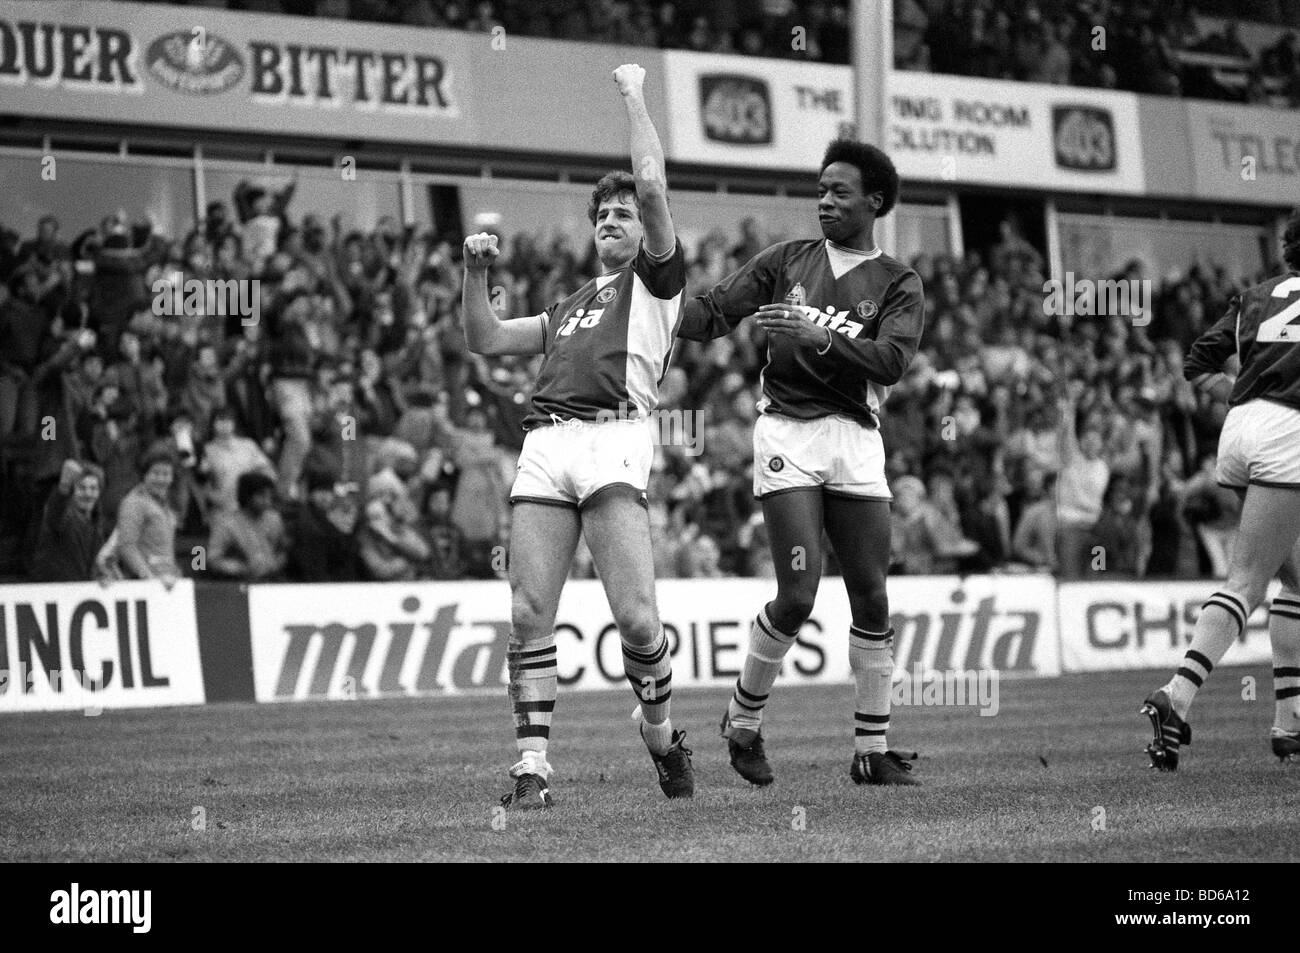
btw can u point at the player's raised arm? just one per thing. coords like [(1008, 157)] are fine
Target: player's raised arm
[(647, 163), (485, 333)]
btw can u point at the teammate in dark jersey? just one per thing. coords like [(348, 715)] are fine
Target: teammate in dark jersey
[(586, 459), (1259, 457), (843, 321)]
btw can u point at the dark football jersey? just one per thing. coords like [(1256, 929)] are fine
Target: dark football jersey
[(1262, 327), (873, 304), (608, 344)]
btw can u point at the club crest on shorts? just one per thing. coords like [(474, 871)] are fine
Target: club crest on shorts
[(776, 464), (607, 295), (867, 309)]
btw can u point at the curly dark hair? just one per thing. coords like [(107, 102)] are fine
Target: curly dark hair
[(611, 185), (249, 485), (876, 168), (1291, 241)]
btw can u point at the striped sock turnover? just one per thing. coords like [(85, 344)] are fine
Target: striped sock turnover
[(649, 671), (533, 684), (1284, 636), (871, 657), (1222, 620), (767, 649)]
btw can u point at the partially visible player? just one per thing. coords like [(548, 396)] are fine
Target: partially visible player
[(843, 320), (1259, 457), (586, 458)]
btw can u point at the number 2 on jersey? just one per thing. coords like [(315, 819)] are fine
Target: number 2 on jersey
[(1279, 329)]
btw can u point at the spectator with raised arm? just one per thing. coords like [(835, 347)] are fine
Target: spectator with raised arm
[(72, 526), (1080, 487)]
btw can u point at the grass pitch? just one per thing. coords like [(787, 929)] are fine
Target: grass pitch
[(419, 779)]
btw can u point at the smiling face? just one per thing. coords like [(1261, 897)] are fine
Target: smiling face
[(158, 481), (86, 493), (618, 230), (845, 212)]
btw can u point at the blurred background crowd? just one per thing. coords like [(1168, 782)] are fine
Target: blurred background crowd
[(348, 434), (1164, 47)]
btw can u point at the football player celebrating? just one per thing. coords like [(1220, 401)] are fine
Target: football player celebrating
[(1259, 457), (587, 454), (843, 321)]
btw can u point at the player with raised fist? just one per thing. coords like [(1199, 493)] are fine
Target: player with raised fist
[(585, 463)]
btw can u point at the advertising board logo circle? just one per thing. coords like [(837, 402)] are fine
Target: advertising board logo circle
[(735, 109), (776, 465), (867, 309), (1083, 138), (607, 295), (201, 65)]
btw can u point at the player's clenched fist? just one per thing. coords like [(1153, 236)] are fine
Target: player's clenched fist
[(480, 251), (630, 77)]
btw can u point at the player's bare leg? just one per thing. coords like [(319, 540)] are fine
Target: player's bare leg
[(859, 532), (543, 539), (794, 525), (617, 529), (1284, 637), (1270, 526)]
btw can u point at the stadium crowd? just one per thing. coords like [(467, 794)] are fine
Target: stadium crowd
[(1145, 46), (346, 432)]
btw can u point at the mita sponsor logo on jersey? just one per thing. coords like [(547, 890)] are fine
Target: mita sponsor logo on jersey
[(839, 321)]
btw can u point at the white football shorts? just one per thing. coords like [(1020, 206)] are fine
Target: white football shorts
[(1260, 444), (836, 453), (567, 464)]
